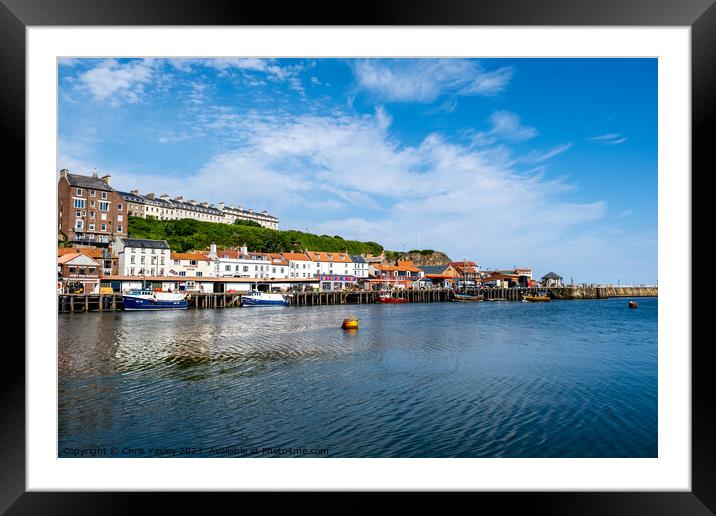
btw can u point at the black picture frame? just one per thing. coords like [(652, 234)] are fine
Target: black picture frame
[(700, 15)]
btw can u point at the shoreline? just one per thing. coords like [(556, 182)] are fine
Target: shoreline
[(77, 303)]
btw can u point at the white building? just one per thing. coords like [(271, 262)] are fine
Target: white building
[(191, 264), (299, 265), (360, 266), (136, 257), (331, 263), (229, 263), (165, 208)]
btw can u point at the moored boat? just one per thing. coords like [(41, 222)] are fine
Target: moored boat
[(256, 298), (537, 298), (463, 297), (389, 297), (145, 299)]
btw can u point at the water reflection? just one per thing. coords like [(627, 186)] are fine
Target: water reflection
[(487, 379)]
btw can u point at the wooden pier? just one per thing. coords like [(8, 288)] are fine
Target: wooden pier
[(73, 303)]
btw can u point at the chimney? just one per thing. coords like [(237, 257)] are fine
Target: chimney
[(192, 202), (204, 204), (94, 173), (244, 249), (220, 206), (107, 179), (63, 173), (179, 198), (164, 197), (134, 192), (150, 196), (212, 252)]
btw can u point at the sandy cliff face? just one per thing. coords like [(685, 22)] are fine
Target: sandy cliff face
[(434, 258)]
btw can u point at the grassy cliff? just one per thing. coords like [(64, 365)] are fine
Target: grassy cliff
[(187, 234)]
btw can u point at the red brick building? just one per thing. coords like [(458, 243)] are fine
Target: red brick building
[(89, 211)]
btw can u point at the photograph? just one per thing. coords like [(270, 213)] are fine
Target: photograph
[(357, 257)]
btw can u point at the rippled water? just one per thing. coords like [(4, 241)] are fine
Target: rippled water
[(499, 379)]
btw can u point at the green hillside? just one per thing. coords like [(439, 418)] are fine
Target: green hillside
[(188, 234)]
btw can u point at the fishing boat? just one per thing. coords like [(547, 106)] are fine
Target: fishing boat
[(465, 297), (256, 298), (536, 298), (147, 299), (389, 297)]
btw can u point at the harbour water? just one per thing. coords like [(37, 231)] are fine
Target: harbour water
[(492, 379)]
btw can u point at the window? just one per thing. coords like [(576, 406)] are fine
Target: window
[(193, 262), (161, 260), (103, 227), (79, 203), (246, 268), (227, 267), (91, 227), (91, 214), (120, 218), (103, 206), (79, 224), (182, 273), (91, 204), (199, 273), (93, 193), (91, 270), (79, 191), (119, 228), (104, 195), (142, 260), (78, 214), (132, 259), (119, 207), (177, 262)]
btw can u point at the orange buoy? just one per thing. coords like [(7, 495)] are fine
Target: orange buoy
[(632, 304), (350, 323)]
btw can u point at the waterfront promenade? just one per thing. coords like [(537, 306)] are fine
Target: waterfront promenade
[(72, 303)]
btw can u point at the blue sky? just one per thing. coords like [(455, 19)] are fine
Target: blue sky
[(548, 163)]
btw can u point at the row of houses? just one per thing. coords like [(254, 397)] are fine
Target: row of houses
[(91, 212), (86, 269)]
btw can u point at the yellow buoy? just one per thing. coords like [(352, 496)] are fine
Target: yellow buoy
[(350, 323)]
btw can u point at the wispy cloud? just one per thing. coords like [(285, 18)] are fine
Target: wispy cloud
[(540, 156), (610, 139), (505, 126), (424, 80)]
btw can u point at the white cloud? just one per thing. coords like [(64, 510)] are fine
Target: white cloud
[(117, 82), (465, 200), (538, 157), (505, 126), (424, 80), (610, 139)]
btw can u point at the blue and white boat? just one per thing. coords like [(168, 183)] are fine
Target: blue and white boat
[(145, 299), (256, 298)]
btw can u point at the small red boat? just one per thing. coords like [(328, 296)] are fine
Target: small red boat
[(389, 297)]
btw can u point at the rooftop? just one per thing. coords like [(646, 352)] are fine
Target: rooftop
[(92, 182), (145, 244)]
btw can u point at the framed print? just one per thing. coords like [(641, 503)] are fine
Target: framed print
[(465, 219)]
